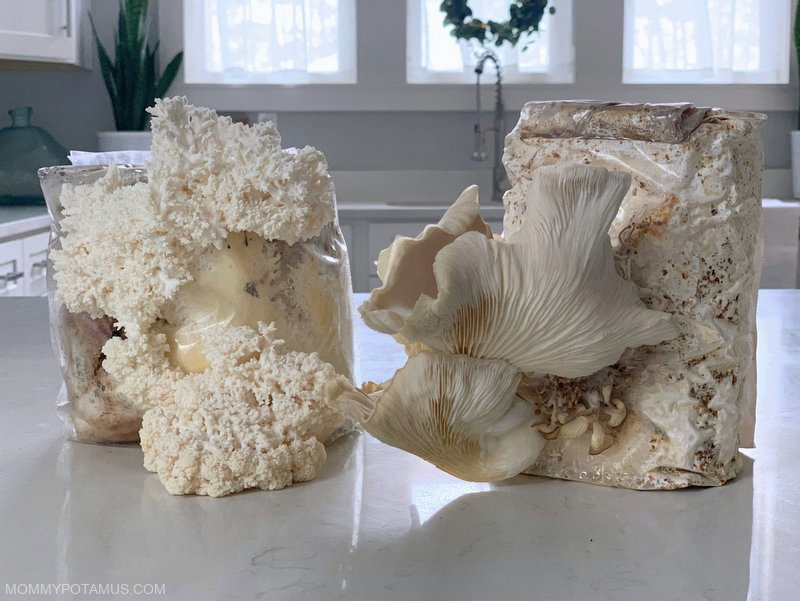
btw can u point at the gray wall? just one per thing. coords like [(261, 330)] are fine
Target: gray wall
[(439, 140), (70, 105), (73, 105)]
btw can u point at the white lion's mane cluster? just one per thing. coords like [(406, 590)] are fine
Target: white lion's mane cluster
[(255, 416)]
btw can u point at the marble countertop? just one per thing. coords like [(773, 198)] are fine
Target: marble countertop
[(378, 524)]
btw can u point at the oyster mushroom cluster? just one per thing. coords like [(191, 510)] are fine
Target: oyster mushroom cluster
[(483, 317)]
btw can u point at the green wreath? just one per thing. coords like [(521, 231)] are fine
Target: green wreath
[(524, 17)]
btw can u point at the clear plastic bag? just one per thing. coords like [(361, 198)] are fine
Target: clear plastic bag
[(311, 311), (665, 123), (90, 411)]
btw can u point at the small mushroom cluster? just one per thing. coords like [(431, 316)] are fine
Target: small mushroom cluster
[(478, 314), (595, 412)]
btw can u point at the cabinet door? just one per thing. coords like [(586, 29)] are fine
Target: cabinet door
[(780, 264), (40, 30), (347, 232), (12, 269), (35, 250)]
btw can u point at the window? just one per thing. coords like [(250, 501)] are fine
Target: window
[(706, 41), (270, 41), (435, 56)]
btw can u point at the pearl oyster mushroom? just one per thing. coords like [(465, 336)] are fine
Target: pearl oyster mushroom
[(477, 314), (399, 265), (459, 413), (547, 299)]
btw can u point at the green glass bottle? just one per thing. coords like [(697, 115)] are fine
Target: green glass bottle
[(23, 149)]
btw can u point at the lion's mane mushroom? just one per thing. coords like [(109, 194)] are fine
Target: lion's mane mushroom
[(229, 247), (256, 418)]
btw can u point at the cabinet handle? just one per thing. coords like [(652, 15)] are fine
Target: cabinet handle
[(12, 276), (68, 26), (38, 265)]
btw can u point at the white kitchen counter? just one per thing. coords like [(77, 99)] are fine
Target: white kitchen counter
[(19, 220), (379, 524)]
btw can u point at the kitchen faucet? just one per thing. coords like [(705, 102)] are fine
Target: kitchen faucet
[(499, 178)]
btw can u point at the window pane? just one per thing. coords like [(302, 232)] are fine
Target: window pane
[(441, 51), (270, 41), (435, 56), (706, 41)]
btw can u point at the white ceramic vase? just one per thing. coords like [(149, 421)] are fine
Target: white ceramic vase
[(796, 164), (110, 141)]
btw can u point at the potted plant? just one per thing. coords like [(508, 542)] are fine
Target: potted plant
[(796, 133), (132, 78)]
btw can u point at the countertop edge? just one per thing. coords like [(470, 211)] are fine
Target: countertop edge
[(24, 227)]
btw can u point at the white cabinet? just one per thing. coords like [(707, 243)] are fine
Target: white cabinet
[(41, 30), (24, 240), (347, 232), (23, 266), (12, 268), (781, 268), (35, 256)]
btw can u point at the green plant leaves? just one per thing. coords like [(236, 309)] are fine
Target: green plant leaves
[(135, 17), (108, 71), (169, 75), (132, 79), (524, 17)]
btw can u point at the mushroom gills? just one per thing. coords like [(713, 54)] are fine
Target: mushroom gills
[(548, 299), (459, 413)]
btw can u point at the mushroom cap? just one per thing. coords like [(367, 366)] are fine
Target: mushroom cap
[(459, 413), (406, 266), (548, 299)]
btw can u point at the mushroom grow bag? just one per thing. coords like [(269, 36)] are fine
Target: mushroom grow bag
[(251, 277)]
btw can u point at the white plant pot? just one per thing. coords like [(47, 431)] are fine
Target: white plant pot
[(796, 164), (110, 141)]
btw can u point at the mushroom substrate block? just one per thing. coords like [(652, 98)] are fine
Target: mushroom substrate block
[(688, 234)]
